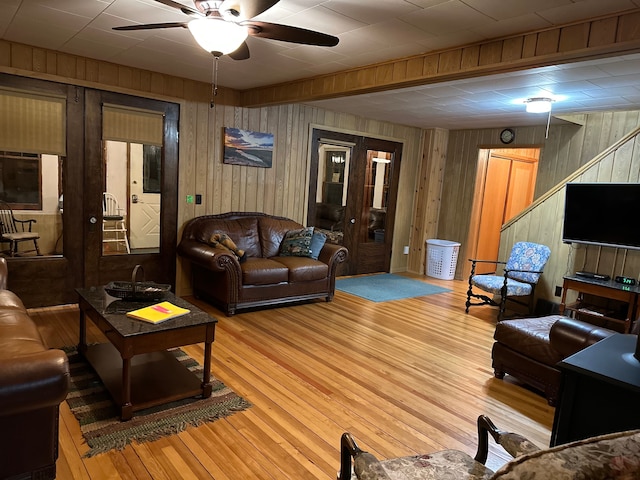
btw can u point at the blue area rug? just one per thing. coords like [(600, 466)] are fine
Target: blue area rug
[(386, 287)]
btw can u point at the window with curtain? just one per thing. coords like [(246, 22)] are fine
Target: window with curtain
[(32, 143)]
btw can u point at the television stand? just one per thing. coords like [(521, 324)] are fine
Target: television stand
[(600, 391), (608, 289)]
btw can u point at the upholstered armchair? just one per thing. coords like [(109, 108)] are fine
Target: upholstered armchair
[(612, 456), (520, 276)]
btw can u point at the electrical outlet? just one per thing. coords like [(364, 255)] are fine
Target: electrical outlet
[(405, 250), (198, 199), (558, 291)]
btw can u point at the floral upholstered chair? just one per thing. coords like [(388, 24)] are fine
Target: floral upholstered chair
[(521, 274), (612, 456)]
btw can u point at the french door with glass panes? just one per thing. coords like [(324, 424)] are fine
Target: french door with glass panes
[(352, 191), (131, 153)]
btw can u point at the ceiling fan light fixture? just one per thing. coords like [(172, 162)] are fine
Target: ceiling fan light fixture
[(538, 104), (216, 35)]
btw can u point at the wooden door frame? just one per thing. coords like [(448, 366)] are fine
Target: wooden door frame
[(159, 267), (51, 279), (361, 144), (395, 148), (484, 154)]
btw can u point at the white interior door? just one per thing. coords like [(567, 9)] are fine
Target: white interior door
[(145, 207)]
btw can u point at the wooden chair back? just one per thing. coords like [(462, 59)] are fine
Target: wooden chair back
[(7, 222)]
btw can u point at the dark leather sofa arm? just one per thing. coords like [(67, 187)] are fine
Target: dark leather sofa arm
[(32, 382), (207, 256), (569, 335), (332, 254)]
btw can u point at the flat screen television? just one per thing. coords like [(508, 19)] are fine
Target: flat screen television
[(602, 214)]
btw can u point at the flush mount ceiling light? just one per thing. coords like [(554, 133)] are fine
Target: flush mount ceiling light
[(538, 104), (216, 35)]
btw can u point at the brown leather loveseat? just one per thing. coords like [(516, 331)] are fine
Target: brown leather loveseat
[(34, 380), (266, 276), (530, 348)]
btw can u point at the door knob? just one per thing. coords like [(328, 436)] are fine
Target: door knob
[(93, 220), (352, 221)]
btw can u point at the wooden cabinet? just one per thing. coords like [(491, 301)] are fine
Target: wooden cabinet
[(600, 391), (586, 308)]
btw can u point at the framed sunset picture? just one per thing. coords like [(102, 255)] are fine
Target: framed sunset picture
[(251, 149)]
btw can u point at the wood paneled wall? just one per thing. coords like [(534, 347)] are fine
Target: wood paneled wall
[(571, 146), (542, 222), (282, 189), (25, 60), (568, 147), (581, 40), (460, 180), (438, 172), (427, 197)]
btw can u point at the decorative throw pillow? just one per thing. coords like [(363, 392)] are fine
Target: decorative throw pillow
[(297, 243), (317, 242), (222, 240)]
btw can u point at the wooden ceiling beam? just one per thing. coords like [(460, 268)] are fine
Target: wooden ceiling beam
[(605, 36)]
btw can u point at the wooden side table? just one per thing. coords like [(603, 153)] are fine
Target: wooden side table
[(599, 288)]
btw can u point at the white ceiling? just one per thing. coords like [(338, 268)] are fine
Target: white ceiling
[(370, 31)]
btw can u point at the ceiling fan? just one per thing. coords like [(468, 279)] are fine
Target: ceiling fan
[(221, 27)]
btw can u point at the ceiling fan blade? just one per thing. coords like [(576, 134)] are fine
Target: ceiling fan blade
[(286, 33), (186, 10), (245, 9), (151, 26), (241, 53)]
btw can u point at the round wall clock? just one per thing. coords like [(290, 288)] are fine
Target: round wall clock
[(507, 135)]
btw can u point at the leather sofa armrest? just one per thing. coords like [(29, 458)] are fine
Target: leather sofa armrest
[(216, 259), (332, 254), (569, 335), (32, 382)]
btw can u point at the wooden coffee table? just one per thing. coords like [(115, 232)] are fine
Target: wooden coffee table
[(135, 365)]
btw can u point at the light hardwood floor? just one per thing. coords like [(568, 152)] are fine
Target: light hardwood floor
[(404, 377)]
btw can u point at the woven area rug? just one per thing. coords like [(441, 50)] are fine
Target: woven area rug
[(386, 287), (101, 427)]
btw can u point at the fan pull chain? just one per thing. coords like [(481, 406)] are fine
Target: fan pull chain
[(546, 135), (214, 83)]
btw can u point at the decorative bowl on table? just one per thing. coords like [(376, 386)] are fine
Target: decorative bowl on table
[(137, 290)]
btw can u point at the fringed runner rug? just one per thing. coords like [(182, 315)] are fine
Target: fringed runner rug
[(100, 424)]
